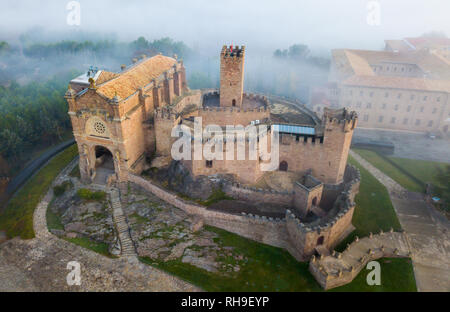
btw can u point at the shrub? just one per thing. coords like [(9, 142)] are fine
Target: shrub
[(59, 190), (90, 195)]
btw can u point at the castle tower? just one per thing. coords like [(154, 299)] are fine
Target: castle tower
[(231, 76)]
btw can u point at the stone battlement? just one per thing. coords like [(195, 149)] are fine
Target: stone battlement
[(339, 269), (233, 51)]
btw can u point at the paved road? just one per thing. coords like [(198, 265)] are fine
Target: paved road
[(428, 234)]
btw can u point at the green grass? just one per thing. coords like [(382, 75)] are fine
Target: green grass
[(274, 269), (422, 170), (390, 170), (425, 171), (17, 218), (89, 195), (396, 275), (101, 248), (53, 220)]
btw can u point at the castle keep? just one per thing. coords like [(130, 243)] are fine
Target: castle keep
[(123, 122)]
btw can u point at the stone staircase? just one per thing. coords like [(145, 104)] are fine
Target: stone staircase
[(128, 249)]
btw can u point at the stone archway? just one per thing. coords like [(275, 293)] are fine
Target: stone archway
[(283, 166), (103, 165)]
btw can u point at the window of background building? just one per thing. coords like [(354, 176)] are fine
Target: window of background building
[(438, 99), (408, 109), (383, 106), (366, 117), (358, 104), (434, 110), (421, 109), (386, 94), (399, 96), (412, 97), (417, 122), (380, 119), (430, 123), (392, 120), (405, 121), (396, 107), (425, 98), (369, 105)]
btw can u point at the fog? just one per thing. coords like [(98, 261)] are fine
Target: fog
[(261, 25), (205, 25)]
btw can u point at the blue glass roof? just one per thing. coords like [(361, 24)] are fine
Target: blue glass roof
[(294, 129)]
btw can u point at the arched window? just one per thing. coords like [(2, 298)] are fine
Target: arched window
[(283, 166), (320, 241)]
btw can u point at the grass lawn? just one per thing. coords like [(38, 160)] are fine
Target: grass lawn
[(101, 248), (396, 275), (390, 170), (425, 171), (17, 218), (422, 170)]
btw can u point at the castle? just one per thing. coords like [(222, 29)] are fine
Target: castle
[(121, 121)]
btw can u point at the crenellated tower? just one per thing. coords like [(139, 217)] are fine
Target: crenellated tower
[(231, 76)]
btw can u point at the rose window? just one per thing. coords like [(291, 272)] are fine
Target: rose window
[(99, 127)]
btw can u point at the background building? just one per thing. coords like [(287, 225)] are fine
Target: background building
[(397, 89)]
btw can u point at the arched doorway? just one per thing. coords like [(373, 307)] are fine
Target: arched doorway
[(320, 241), (104, 164), (283, 166), (314, 201)]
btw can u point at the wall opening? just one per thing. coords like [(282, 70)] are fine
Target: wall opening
[(314, 201), (209, 164), (104, 164), (283, 166), (320, 241), (233, 102)]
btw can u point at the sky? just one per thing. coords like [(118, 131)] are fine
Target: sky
[(259, 24)]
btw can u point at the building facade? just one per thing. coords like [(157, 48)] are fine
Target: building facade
[(394, 90)]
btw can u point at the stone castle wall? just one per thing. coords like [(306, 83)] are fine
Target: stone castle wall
[(257, 195)]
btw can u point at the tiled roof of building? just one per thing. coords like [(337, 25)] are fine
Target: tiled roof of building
[(398, 45), (105, 76), (399, 83), (354, 68), (426, 42), (135, 77)]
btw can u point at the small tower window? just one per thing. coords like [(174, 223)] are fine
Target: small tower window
[(233, 102)]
